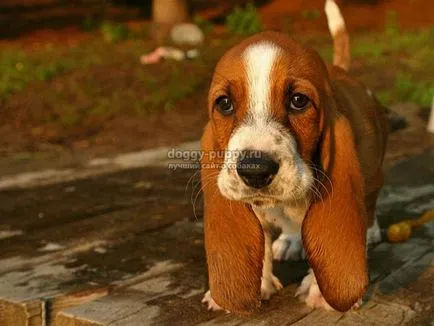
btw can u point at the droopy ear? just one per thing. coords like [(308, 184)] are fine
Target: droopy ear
[(334, 229), (234, 242)]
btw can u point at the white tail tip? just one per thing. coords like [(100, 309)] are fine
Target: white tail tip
[(334, 17)]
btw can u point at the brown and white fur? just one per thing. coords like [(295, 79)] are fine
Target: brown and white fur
[(324, 194)]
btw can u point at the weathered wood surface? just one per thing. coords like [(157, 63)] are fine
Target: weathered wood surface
[(86, 235), (127, 249)]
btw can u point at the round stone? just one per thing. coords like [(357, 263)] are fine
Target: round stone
[(187, 33)]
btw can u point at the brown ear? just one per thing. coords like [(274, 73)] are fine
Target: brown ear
[(334, 229), (234, 242)]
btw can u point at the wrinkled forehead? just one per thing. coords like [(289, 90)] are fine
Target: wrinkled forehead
[(267, 59)]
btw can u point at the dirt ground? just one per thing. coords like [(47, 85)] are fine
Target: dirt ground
[(124, 132)]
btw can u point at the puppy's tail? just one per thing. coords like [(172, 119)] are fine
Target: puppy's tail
[(341, 40)]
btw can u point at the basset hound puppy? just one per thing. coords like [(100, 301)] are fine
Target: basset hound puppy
[(303, 147)]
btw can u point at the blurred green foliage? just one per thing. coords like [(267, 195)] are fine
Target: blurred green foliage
[(113, 32), (73, 85), (244, 21), (205, 25), (408, 89), (19, 67)]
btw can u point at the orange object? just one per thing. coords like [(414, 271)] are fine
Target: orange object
[(402, 231)]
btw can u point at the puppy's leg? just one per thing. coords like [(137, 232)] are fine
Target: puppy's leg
[(288, 245), (209, 301), (270, 284), (373, 234), (309, 292)]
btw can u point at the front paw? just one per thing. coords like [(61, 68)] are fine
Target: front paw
[(309, 292), (270, 286), (211, 304), (288, 247), (373, 235)]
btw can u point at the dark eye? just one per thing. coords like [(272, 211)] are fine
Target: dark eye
[(224, 105), (299, 101)]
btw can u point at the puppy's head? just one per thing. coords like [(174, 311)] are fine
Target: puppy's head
[(266, 107)]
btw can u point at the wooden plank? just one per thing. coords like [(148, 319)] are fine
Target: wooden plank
[(61, 280), (171, 308), (30, 313), (86, 226), (387, 258), (146, 286), (103, 207), (182, 243), (129, 309), (420, 296), (373, 314), (25, 286), (283, 309), (126, 308), (407, 274)]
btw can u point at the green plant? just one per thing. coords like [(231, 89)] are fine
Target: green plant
[(20, 67), (391, 27), (205, 25), (409, 90), (244, 21), (311, 14), (17, 69), (406, 89), (372, 49), (114, 32)]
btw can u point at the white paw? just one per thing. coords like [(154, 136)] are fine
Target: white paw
[(288, 247), (309, 292), (270, 286), (211, 304), (373, 235)]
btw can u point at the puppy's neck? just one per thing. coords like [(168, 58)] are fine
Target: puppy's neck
[(294, 210)]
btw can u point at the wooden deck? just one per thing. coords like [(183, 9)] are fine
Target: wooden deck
[(127, 249)]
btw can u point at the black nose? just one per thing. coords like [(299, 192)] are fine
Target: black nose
[(257, 169)]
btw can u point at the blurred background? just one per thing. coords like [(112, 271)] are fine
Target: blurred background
[(73, 84)]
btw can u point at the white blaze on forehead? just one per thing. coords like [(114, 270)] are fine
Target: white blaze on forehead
[(259, 61)]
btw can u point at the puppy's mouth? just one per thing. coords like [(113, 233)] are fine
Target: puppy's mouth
[(260, 200), (266, 199)]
